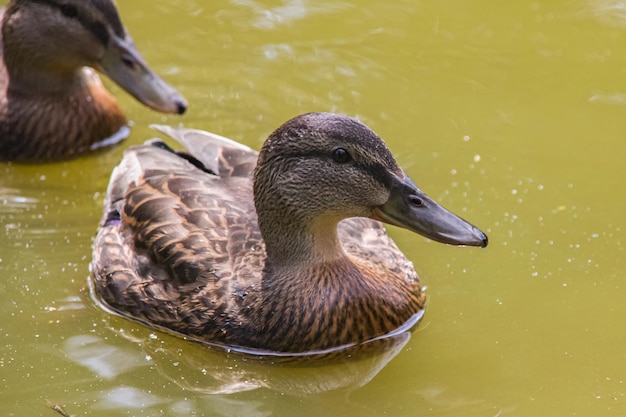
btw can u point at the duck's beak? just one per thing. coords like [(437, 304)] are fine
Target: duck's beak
[(410, 208), (124, 65)]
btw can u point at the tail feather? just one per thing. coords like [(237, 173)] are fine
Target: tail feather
[(218, 154)]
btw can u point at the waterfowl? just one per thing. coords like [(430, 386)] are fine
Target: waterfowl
[(51, 104), (278, 251)]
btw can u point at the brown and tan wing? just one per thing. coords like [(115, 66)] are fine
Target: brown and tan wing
[(170, 247)]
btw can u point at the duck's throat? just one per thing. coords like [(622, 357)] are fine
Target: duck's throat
[(295, 244)]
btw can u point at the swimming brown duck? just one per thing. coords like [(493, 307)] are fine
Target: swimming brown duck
[(51, 106), (277, 251)]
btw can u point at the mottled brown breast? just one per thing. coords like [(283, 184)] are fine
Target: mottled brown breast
[(57, 126)]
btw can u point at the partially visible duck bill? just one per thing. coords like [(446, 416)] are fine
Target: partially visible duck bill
[(51, 106)]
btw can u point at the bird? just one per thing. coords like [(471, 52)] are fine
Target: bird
[(53, 104), (281, 251)]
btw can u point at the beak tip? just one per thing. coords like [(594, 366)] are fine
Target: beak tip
[(485, 240), (181, 107)]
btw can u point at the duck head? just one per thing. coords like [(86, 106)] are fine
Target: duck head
[(320, 168), (56, 38)]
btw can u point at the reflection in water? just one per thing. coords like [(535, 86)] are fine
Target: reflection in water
[(227, 406), (68, 303), (610, 11), (209, 371), (12, 202), (289, 12), (103, 359), (609, 98), (127, 397)]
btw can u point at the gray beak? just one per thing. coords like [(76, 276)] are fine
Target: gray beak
[(124, 65), (410, 208)]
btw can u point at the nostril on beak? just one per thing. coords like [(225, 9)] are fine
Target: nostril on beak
[(416, 201)]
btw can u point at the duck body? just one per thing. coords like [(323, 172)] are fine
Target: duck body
[(52, 104), (271, 252)]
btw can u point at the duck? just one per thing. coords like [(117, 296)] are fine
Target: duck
[(53, 104), (282, 251)]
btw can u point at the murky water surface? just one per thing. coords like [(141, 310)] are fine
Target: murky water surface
[(511, 113)]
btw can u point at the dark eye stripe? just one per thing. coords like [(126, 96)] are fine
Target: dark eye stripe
[(69, 10), (376, 171)]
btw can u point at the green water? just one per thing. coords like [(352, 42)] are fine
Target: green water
[(512, 114)]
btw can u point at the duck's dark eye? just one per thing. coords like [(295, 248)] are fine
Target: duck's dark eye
[(341, 156), (69, 10)]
